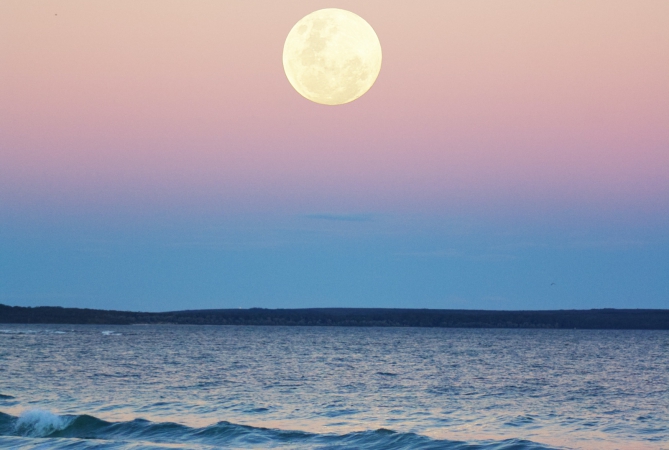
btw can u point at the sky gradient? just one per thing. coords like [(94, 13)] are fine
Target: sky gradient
[(153, 156)]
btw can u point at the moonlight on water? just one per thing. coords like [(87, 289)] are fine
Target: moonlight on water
[(332, 56)]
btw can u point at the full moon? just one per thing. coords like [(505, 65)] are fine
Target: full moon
[(332, 56)]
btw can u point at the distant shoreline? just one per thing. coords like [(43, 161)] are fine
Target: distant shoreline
[(592, 319)]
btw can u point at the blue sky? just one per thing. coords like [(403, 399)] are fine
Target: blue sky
[(159, 263)]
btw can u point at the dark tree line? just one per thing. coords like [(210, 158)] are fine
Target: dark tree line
[(641, 319)]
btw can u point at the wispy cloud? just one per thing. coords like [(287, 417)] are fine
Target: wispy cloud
[(42, 296), (342, 217), (230, 245), (449, 253), (453, 253)]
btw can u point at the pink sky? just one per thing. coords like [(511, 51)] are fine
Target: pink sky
[(557, 103)]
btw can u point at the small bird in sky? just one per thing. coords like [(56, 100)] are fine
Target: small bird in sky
[(552, 284)]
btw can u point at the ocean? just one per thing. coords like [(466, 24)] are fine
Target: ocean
[(202, 387)]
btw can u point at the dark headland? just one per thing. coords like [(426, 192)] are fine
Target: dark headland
[(619, 319)]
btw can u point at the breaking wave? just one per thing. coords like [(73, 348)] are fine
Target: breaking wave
[(67, 431), (111, 333)]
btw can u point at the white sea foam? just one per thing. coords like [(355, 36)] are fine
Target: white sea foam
[(111, 333), (40, 423)]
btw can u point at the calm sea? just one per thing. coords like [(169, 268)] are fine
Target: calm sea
[(135, 387)]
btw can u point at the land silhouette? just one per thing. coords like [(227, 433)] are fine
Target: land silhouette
[(618, 319)]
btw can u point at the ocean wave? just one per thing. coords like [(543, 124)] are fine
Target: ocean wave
[(40, 423), (60, 430), (23, 331)]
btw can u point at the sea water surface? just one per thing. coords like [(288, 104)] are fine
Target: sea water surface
[(163, 386)]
